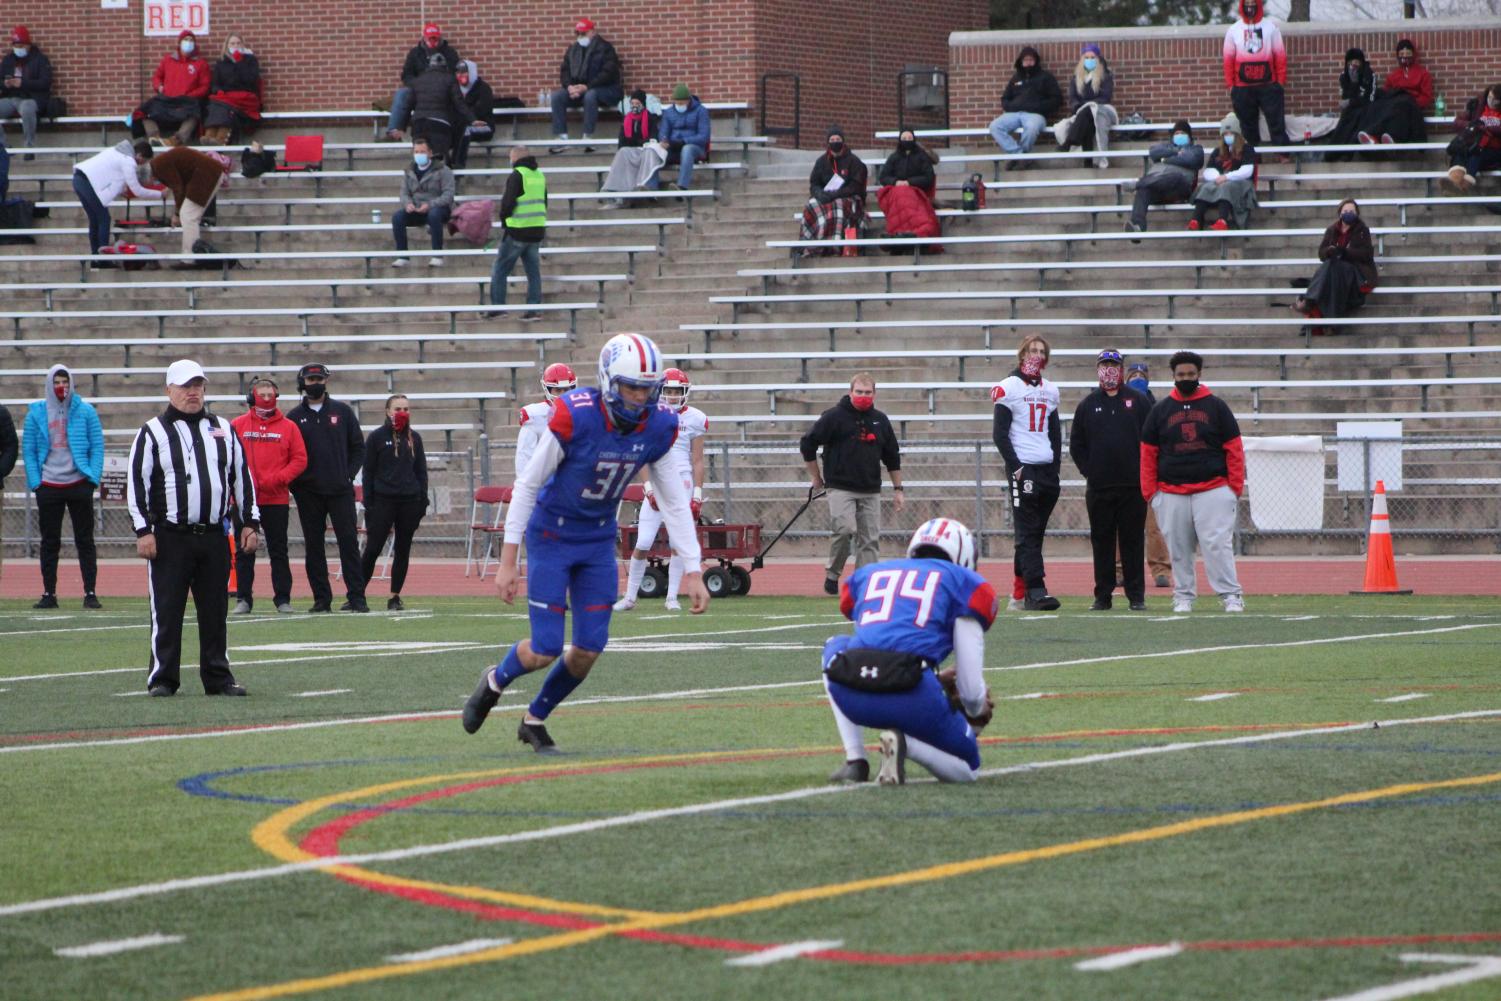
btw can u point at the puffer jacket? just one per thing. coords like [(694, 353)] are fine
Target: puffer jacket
[(85, 435)]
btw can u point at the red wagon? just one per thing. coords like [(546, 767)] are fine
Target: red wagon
[(723, 543)]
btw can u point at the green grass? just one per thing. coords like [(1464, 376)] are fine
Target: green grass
[(684, 711)]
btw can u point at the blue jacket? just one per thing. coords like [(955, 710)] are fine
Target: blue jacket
[(691, 126), (85, 440)]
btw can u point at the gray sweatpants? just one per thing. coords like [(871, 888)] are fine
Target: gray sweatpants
[(856, 523), (1205, 521)]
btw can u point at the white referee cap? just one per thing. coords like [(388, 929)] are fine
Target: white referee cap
[(184, 371)]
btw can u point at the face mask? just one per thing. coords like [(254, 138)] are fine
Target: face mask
[(1491, 102), (862, 402), (1032, 366), (1348, 218), (1090, 64), (315, 391), (1186, 387), (1110, 378), (1138, 384), (1229, 140), (463, 79), (680, 107), (636, 109), (61, 392), (1179, 139), (584, 41), (836, 148), (399, 421), (265, 409), (421, 159), (20, 52), (907, 145), (187, 46), (1404, 60)]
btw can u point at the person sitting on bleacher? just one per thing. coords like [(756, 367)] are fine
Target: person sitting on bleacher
[(685, 133), (1091, 115), (1339, 286), (193, 178), (1172, 169), (427, 190), (836, 203), (433, 43), (1357, 89), (639, 155), (181, 82), (101, 178), (479, 99), (590, 78), (1029, 100), (906, 192), (1228, 184), (25, 84), (1396, 115), (438, 107), (235, 93), (1478, 145)]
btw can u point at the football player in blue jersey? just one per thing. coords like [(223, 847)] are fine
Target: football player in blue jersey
[(563, 505), (909, 614)]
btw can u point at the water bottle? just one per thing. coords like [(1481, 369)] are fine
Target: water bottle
[(1438, 106), (542, 98), (375, 216)]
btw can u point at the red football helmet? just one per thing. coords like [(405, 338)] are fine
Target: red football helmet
[(675, 386), (558, 379)]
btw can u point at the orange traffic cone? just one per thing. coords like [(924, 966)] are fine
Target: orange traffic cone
[(1380, 564)]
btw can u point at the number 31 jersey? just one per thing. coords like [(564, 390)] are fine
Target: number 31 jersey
[(1030, 407), (910, 605)]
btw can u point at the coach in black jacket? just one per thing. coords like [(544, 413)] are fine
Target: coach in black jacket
[(1105, 443), (857, 439), (325, 491)]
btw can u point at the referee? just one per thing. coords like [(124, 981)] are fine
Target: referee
[(185, 466)]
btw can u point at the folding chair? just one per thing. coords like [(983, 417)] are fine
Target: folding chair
[(302, 153), (487, 496)]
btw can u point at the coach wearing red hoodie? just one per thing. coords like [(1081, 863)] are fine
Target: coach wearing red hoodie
[(276, 455), (1193, 469)]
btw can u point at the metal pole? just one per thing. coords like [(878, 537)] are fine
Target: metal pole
[(484, 457), (980, 499), (724, 448)]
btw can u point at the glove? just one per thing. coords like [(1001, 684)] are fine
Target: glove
[(651, 497), (949, 679), (696, 505)]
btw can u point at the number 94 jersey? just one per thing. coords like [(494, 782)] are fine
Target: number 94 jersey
[(910, 605), (599, 460)]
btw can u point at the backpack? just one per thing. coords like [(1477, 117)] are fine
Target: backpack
[(473, 220), (972, 197), (17, 213), (201, 246), (253, 164)]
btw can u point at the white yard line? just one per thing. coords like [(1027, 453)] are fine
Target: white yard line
[(1214, 697), (443, 951), (1129, 957), (1409, 697), (326, 691), (1029, 695), (666, 813), (782, 953), (1475, 968), (118, 945)]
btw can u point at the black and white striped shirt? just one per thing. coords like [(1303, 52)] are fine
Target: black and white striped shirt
[(183, 471)]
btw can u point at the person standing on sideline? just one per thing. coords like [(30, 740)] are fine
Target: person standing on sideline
[(523, 218), (1105, 443), (276, 456), (1255, 72), (395, 480), (557, 379), (10, 449), (63, 445), (185, 468), (564, 505), (427, 191), (101, 178), (325, 491), (857, 439), (1029, 435), (1139, 378), (1192, 470), (687, 456)]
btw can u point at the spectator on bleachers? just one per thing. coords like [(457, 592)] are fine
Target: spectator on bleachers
[(1029, 100), (1357, 89), (523, 216), (101, 178), (439, 111), (180, 83), (685, 133), (1228, 184), (63, 445), (1348, 271), (235, 93), (395, 484), (1091, 115), (193, 178), (432, 43), (1396, 116), (479, 99), (25, 83), (589, 78), (639, 154), (1255, 72), (1172, 169), (906, 191), (1478, 145), (427, 190), (835, 208)]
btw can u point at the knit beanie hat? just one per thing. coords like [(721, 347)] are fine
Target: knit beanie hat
[(681, 92)]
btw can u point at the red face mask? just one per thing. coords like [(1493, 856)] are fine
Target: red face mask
[(265, 407), (862, 401), (1110, 377), (1033, 365), (399, 421), (61, 392)]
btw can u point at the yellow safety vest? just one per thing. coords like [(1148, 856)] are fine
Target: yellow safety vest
[(531, 207)]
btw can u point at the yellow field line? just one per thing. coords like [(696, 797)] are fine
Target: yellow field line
[(775, 901)]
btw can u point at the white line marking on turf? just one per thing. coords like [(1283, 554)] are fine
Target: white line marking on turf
[(1214, 697), (782, 953), (127, 695), (1432, 618), (647, 816), (443, 951), (1129, 957), (1029, 695), (118, 945), (326, 691), (1170, 618), (1409, 697), (1300, 618), (1476, 968)]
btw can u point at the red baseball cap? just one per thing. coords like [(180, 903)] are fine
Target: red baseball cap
[(431, 30), (583, 24), (20, 36)]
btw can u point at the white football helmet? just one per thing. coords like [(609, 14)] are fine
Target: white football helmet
[(949, 537), (630, 360), (675, 385)]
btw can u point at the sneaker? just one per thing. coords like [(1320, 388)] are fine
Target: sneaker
[(1235, 603), (91, 602), (395, 604), (1102, 162), (1161, 580), (391, 136), (354, 605), (1040, 601), (535, 734), (435, 262), (893, 759), (830, 586), (1194, 225), (1387, 140), (1182, 606), (242, 607), (479, 704), (530, 316), (1366, 139), (1101, 605), (233, 688), (558, 149), (285, 607), (400, 262), (1220, 225), (1138, 606), (319, 607), (611, 204), (625, 604), (1131, 227), (851, 772), (160, 691), (1016, 605), (46, 601), (672, 605)]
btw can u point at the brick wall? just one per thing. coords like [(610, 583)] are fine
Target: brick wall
[(1167, 73), (343, 53)]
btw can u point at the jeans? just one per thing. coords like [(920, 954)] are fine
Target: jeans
[(690, 155), (590, 102), (1481, 159), (434, 219), (26, 108), (511, 250), (99, 220), (401, 109), (1030, 124)]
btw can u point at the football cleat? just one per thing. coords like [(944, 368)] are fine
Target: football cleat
[(672, 605), (479, 704), (851, 772), (948, 537), (893, 759), (535, 734), (1040, 601), (625, 604)]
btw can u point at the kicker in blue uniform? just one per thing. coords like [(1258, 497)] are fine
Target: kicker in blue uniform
[(563, 504), (909, 615)]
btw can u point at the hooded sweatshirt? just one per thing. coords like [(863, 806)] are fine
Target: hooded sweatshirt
[(855, 444), (1034, 91), (182, 76), (63, 441), (274, 452), (113, 171), (1191, 445), (58, 469), (479, 98), (1360, 89), (1414, 79), (1253, 52)]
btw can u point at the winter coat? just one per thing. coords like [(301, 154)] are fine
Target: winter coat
[(594, 66), (85, 436), (416, 61), (1486, 120), (848, 166), (177, 76), (915, 168), (1186, 161), (434, 187), (274, 452), (855, 446), (1034, 91), (1357, 91), (190, 175), (436, 95), (638, 130), (36, 76), (1358, 249), (1253, 54), (334, 444), (113, 171), (394, 470), (1208, 456), (1105, 437), (689, 127), (238, 84), (1414, 80), (479, 99), (10, 445), (1098, 87)]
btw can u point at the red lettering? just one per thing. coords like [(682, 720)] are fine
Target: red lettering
[(198, 17), (154, 18)]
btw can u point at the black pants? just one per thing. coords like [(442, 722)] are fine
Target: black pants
[(381, 515), (1031, 508), (1250, 103), (78, 502), (314, 511), (1080, 131), (274, 534), (1226, 212), (196, 564), (1335, 288), (1117, 515), (1159, 189), (461, 157)]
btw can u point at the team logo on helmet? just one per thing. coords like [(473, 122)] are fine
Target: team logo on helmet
[(630, 360)]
